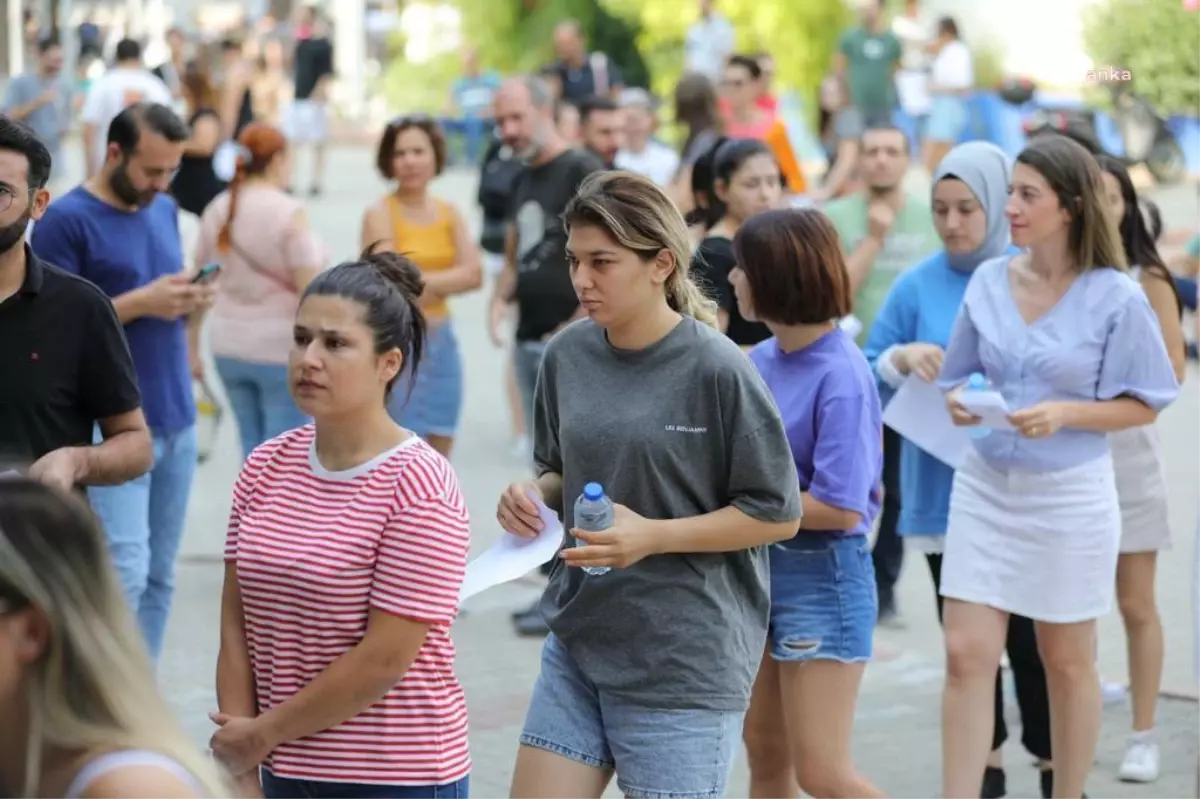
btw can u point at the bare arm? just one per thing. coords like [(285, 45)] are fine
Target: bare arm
[(1107, 416), (376, 228), (231, 101), (1162, 300), (87, 137), (206, 135), (465, 276), (724, 530), (127, 451), (236, 693), (860, 262), (820, 516), (550, 484), (131, 305), (352, 683), (843, 168), (506, 280)]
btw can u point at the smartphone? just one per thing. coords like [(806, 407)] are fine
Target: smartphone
[(207, 274)]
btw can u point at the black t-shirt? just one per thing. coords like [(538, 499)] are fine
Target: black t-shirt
[(314, 60), (544, 294), (64, 361), (579, 84), (711, 266)]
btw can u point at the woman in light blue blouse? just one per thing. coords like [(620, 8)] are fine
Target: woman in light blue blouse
[(1071, 344), (970, 189)]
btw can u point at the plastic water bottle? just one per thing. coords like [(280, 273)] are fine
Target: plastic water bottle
[(593, 512), (977, 382)]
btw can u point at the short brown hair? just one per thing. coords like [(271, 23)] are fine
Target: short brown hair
[(794, 264), (387, 142)]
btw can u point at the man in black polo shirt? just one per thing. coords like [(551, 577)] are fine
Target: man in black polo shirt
[(63, 357), (536, 277)]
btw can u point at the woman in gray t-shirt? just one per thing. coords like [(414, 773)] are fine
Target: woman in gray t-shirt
[(648, 669)]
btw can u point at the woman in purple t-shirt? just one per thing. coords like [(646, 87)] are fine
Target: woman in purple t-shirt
[(791, 275)]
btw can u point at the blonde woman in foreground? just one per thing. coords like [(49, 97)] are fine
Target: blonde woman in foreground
[(81, 714)]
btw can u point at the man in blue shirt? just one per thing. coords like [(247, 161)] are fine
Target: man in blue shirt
[(120, 231)]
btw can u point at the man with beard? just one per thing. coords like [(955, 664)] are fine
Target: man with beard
[(602, 123), (535, 276), (120, 231), (885, 230), (65, 363)]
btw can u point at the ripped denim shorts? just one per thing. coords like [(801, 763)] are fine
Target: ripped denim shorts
[(823, 601)]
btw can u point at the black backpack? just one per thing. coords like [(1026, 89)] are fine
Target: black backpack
[(498, 180)]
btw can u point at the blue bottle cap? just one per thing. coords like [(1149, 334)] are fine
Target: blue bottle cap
[(593, 492), (977, 380)]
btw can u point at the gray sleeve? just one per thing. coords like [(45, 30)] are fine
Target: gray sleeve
[(762, 474), (847, 124), (547, 456)]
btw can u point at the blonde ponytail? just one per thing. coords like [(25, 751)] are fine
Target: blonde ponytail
[(685, 297)]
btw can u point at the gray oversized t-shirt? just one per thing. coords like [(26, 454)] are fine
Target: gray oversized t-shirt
[(680, 429)]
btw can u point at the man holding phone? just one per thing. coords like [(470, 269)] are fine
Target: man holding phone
[(120, 231)]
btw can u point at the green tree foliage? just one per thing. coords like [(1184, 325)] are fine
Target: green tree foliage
[(802, 35), (644, 37), (1156, 41)]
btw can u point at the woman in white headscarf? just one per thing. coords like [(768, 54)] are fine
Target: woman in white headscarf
[(908, 337)]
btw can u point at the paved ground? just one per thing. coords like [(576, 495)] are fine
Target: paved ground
[(898, 725)]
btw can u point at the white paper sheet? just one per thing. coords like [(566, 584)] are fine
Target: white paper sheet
[(512, 556), (989, 406), (918, 412)]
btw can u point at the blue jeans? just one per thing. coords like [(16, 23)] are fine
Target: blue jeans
[(144, 520), (285, 788), (823, 603), (261, 400), (656, 753), (433, 405)]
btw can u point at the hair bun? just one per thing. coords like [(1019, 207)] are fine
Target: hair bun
[(397, 269)]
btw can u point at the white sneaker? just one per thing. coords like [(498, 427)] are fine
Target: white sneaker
[(1140, 763), (1113, 692)]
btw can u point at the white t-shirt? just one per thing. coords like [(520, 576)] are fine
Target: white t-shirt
[(656, 161), (953, 68), (112, 93), (707, 44)]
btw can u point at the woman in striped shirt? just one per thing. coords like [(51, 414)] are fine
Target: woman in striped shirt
[(346, 550)]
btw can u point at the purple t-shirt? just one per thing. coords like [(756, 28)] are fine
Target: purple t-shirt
[(830, 407)]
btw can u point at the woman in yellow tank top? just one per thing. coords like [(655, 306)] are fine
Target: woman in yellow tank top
[(431, 232)]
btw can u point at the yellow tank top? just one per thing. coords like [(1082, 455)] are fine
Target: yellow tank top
[(430, 246)]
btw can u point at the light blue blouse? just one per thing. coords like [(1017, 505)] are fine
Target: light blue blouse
[(1099, 342)]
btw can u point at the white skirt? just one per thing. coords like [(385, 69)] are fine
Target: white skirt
[(1039, 544), (1141, 489)]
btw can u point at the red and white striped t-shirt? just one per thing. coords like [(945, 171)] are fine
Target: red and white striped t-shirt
[(315, 550)]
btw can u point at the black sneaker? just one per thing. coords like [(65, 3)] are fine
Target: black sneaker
[(1047, 777), (994, 783)]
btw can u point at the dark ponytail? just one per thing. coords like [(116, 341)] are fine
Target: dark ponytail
[(387, 285)]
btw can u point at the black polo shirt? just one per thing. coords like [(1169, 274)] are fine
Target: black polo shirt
[(64, 364)]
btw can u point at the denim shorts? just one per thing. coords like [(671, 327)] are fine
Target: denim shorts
[(823, 601), (435, 403), (657, 754), (948, 118), (287, 788)]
